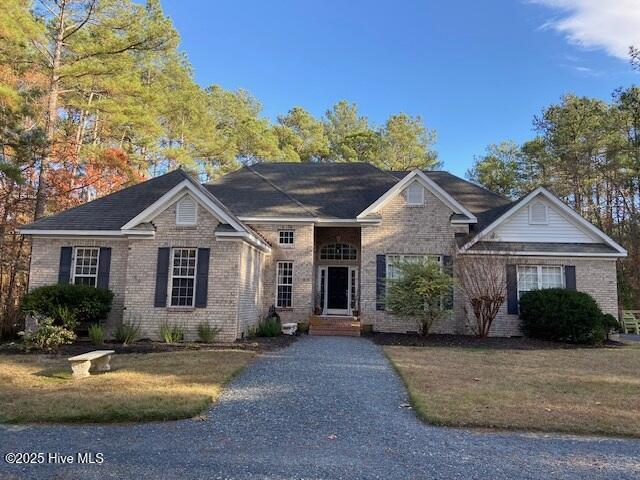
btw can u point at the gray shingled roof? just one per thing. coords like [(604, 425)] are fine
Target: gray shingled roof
[(113, 211), (327, 190), (542, 247)]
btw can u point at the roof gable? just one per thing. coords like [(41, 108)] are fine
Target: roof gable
[(563, 216), (204, 198), (419, 176), (556, 227)]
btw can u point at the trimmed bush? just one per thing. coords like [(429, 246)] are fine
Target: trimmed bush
[(562, 315), (86, 304), (47, 336), (96, 334), (207, 333)]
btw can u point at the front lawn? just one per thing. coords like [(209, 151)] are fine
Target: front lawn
[(156, 386), (578, 390)]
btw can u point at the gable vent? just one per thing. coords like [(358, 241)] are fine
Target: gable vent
[(538, 214), (186, 212), (415, 194)]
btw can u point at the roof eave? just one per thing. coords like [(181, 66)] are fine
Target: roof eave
[(513, 253), (86, 233)]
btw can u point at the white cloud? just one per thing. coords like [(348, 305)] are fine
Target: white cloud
[(612, 25)]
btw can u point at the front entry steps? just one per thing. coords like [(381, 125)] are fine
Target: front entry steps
[(341, 326)]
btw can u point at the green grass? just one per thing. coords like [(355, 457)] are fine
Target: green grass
[(583, 391), (158, 386)]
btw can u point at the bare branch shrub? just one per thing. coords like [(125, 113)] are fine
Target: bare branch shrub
[(483, 282)]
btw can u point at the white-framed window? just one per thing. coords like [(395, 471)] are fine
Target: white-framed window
[(538, 214), (415, 194), (393, 272), (285, 238), (186, 211), (284, 284), (182, 287), (85, 266), (536, 277), (338, 251)]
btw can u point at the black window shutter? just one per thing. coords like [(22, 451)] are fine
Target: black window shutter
[(570, 277), (381, 279), (512, 290), (162, 277), (64, 272), (202, 278), (104, 266), (447, 267)]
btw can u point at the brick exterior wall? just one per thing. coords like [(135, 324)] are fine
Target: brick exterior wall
[(301, 254), (45, 264), (223, 287), (234, 297), (597, 277), (252, 263), (422, 229)]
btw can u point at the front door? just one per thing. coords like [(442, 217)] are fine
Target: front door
[(338, 290)]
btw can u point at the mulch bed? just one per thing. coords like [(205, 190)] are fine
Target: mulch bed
[(257, 344), (468, 341)]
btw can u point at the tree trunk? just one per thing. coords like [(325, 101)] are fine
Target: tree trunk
[(52, 114)]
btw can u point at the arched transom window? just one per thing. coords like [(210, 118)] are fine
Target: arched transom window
[(338, 251)]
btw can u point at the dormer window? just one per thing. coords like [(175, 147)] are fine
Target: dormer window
[(538, 214), (415, 194), (186, 211)]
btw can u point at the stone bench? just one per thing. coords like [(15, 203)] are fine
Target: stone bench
[(289, 328), (80, 364)]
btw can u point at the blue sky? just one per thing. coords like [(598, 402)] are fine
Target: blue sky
[(476, 71)]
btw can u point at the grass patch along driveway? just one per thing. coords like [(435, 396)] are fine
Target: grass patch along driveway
[(157, 386), (581, 390)]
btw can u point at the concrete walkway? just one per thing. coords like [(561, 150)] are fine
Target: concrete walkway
[(325, 408)]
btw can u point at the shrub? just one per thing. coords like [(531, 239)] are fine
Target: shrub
[(562, 315), (127, 332), (171, 333), (207, 333), (269, 327), (96, 334), (610, 323), (418, 292), (47, 336), (303, 327), (66, 317), (87, 304)]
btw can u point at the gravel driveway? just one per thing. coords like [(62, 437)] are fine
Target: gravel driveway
[(324, 408)]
